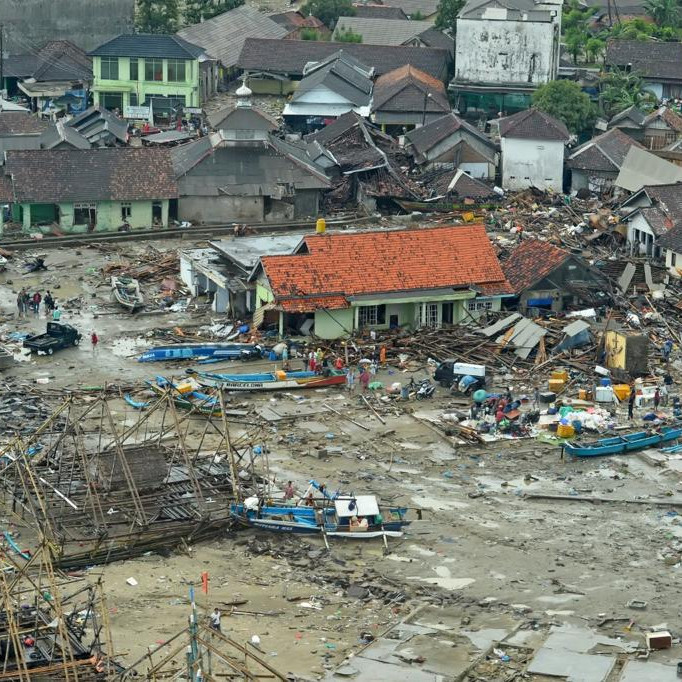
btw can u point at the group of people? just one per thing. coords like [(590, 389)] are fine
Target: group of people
[(27, 301)]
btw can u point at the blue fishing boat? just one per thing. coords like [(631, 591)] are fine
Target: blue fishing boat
[(137, 404), (186, 397), (627, 443), (272, 381), (357, 517), (196, 351)]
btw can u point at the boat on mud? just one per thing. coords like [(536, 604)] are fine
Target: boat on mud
[(126, 291), (272, 381), (622, 444), (202, 351), (357, 517)]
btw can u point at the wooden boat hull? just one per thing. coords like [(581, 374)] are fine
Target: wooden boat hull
[(185, 402), (315, 381), (629, 443)]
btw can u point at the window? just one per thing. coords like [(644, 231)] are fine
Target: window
[(176, 70), (153, 69), (126, 210), (371, 315), (431, 314), (673, 259), (133, 99), (112, 100), (84, 214), (109, 68), (473, 306), (134, 72)]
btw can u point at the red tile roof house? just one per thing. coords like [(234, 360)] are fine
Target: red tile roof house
[(546, 277), (351, 281)]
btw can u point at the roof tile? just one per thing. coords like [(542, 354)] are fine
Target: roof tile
[(533, 124), (530, 261), (340, 266)]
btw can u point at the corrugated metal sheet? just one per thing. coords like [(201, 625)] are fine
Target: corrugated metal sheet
[(500, 325), (525, 337)]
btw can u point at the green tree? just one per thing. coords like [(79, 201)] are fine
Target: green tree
[(666, 13), (594, 48), (623, 89), (446, 19), (198, 10), (309, 34), (328, 11), (576, 41), (632, 29), (567, 102), (344, 35), (157, 16)]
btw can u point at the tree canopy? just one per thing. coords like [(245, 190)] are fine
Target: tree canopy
[(623, 89), (328, 11), (198, 10), (157, 16), (566, 101), (446, 18)]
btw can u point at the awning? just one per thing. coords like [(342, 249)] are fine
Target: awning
[(52, 89)]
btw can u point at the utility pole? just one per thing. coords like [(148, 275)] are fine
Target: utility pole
[(2, 60)]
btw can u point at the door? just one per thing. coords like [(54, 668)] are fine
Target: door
[(393, 321)]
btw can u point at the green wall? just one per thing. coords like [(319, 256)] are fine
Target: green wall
[(189, 88), (109, 216), (331, 324)]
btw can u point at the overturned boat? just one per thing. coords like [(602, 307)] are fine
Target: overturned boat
[(202, 351), (126, 291)]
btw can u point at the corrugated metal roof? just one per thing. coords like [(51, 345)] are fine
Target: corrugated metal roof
[(223, 36)]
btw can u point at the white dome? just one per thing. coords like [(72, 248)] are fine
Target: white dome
[(244, 91)]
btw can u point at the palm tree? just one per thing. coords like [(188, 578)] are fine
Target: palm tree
[(621, 89), (663, 12)]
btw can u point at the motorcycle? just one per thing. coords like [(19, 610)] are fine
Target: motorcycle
[(425, 389)]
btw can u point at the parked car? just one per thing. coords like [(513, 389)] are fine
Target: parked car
[(57, 336)]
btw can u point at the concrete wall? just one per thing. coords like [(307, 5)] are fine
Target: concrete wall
[(331, 324), (220, 209), (88, 23), (532, 163), (506, 52)]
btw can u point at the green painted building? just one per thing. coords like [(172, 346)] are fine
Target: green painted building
[(377, 280), (89, 190), (163, 72)]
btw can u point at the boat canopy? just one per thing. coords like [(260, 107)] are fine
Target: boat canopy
[(362, 505)]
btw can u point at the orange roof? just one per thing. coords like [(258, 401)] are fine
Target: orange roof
[(338, 266)]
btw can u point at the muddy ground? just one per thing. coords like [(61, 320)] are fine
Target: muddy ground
[(484, 546)]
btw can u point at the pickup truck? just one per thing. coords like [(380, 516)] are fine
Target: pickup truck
[(57, 336), (452, 372)]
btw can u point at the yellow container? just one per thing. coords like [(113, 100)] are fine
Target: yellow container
[(320, 226), (582, 394), (565, 431), (185, 387), (468, 217), (622, 391), (556, 385), (560, 374), (281, 375)]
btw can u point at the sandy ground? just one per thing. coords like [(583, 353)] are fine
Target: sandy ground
[(482, 541)]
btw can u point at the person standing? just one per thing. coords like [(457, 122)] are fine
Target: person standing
[(48, 302), (536, 397), (289, 491), (631, 403), (37, 298), (338, 363), (27, 301), (657, 398), (364, 379), (382, 356), (94, 340), (664, 395), (56, 314), (350, 380), (20, 303), (215, 620)]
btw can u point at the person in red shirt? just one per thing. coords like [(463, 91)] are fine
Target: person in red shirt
[(94, 339)]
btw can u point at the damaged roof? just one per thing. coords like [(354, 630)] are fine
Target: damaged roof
[(117, 174), (461, 185), (632, 115), (672, 238), (604, 153), (379, 12), (223, 36), (336, 267), (668, 116), (533, 124), (531, 261), (428, 136), (650, 59), (408, 89), (291, 56)]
